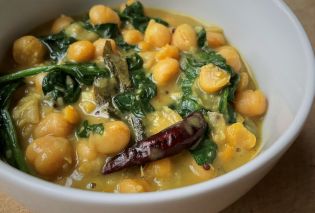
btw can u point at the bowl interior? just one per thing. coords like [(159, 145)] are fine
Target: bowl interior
[(274, 53), (276, 50)]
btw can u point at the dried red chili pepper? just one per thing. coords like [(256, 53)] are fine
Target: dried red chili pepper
[(182, 135)]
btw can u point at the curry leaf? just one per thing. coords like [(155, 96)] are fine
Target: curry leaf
[(118, 67), (137, 99)]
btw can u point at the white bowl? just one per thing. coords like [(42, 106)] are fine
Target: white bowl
[(274, 44)]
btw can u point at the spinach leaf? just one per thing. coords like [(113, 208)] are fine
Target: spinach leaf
[(187, 105), (9, 146), (108, 30), (86, 129), (227, 98), (202, 36), (137, 99), (57, 45), (123, 45), (85, 73), (190, 102), (134, 62), (161, 21), (205, 152), (208, 55), (134, 14), (61, 87), (132, 103), (63, 81)]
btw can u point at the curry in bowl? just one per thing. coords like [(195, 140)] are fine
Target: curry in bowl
[(128, 100)]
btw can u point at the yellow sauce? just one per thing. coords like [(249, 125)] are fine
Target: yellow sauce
[(183, 170)]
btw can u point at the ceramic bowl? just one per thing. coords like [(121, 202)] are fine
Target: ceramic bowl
[(273, 43)]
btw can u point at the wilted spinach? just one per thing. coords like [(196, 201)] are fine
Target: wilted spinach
[(85, 73), (63, 80), (227, 98), (108, 30), (123, 45), (134, 14), (61, 87), (10, 150), (205, 152), (190, 65), (86, 129), (137, 100), (202, 36), (57, 44)]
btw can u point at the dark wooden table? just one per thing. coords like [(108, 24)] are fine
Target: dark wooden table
[(290, 186)]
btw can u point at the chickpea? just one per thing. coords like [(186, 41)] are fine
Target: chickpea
[(133, 186), (71, 114), (211, 78), (114, 139), (100, 14), (88, 106), (251, 103), (165, 71), (238, 136), (28, 50), (144, 46), (81, 51), (53, 124), (185, 38), (215, 39), (61, 23), (49, 154), (99, 45), (157, 34), (159, 169), (159, 120), (168, 51), (244, 79), (148, 59), (91, 167), (227, 153), (36, 81), (132, 37), (86, 151), (232, 57)]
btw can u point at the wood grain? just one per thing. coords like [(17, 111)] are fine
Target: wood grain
[(290, 186)]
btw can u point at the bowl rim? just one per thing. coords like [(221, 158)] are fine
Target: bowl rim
[(283, 142)]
